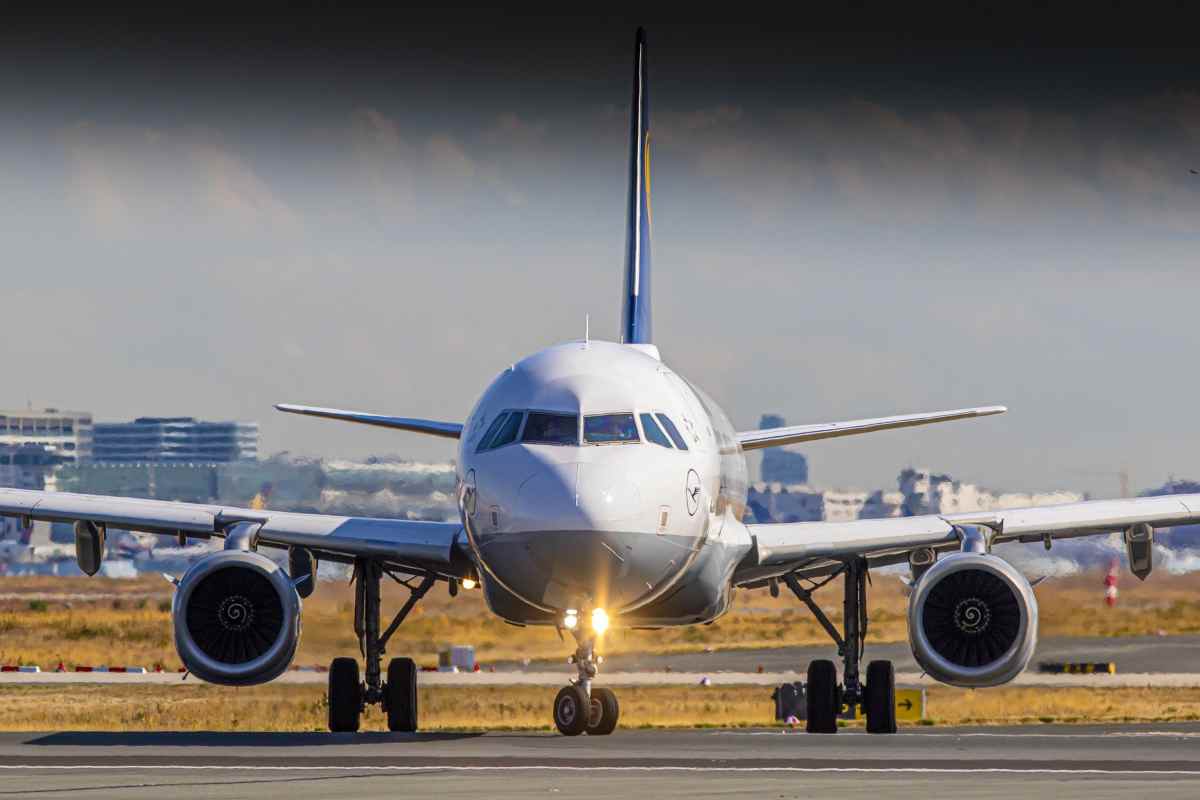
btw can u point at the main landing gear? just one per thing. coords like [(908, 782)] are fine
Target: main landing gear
[(348, 696), (580, 707), (825, 698)]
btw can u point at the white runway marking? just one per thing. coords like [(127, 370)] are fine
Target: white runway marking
[(562, 768), (1017, 735)]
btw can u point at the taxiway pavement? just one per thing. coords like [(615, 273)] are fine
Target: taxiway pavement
[(1098, 761)]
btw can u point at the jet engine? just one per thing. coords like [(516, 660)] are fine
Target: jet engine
[(236, 618), (972, 620)]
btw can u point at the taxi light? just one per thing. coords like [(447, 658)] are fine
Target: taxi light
[(467, 583), (570, 619), (599, 620)]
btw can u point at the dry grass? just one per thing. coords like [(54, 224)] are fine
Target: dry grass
[(97, 621), (302, 707)]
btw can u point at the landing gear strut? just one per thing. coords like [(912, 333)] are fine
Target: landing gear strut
[(348, 697), (581, 707), (825, 698)]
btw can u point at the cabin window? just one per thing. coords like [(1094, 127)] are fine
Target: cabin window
[(653, 432), (609, 429), (672, 431), (542, 428)]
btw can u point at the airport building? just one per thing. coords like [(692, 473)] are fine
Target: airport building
[(174, 440), (921, 491), (65, 434), (26, 466)]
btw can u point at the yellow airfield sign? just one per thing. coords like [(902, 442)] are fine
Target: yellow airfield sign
[(910, 706)]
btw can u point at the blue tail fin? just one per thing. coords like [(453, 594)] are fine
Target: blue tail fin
[(636, 316)]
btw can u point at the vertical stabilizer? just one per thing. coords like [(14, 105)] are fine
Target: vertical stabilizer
[(636, 315)]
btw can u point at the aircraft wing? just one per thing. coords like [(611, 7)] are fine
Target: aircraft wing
[(788, 547), (426, 546), (448, 430), (794, 434)]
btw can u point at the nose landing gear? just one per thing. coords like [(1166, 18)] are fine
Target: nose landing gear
[(581, 707)]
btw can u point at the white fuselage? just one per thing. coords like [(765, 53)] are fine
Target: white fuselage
[(590, 501)]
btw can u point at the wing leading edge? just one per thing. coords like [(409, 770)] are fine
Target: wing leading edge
[(794, 434), (785, 547), (424, 545), (448, 430)]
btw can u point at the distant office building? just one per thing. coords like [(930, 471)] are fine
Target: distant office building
[(780, 465), (26, 466), (921, 491), (174, 440), (926, 492), (776, 502), (66, 434)]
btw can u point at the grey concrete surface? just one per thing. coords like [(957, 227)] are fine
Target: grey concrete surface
[(1103, 761), (1134, 654)]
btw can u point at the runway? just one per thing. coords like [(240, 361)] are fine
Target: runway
[(559, 677), (1070, 762), (1133, 654), (1170, 661)]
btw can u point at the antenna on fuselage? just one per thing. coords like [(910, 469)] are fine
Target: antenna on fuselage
[(587, 329)]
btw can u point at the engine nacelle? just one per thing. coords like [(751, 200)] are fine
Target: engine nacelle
[(237, 619), (972, 620)]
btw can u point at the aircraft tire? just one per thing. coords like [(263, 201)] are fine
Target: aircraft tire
[(571, 710), (604, 712), (881, 697), (821, 697), (400, 695), (345, 696)]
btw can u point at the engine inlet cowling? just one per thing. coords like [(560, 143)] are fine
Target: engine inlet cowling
[(236, 619), (972, 620)]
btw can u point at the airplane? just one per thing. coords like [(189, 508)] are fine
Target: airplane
[(597, 487)]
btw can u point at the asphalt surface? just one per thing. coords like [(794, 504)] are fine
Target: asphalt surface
[(1102, 761), (1134, 654), (1140, 661)]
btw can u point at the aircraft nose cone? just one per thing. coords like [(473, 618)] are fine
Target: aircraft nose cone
[(577, 496), (604, 494)]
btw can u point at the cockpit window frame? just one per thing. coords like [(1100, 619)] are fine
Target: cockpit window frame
[(550, 412), (633, 415)]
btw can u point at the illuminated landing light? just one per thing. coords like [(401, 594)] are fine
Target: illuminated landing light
[(599, 620), (570, 619), (467, 583)]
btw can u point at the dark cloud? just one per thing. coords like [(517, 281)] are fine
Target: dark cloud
[(850, 219)]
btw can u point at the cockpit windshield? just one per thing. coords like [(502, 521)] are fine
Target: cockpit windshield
[(609, 429), (502, 431), (543, 428)]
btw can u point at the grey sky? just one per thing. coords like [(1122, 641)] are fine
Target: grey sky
[(389, 238)]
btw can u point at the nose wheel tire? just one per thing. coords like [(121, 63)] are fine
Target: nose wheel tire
[(604, 711), (400, 695), (880, 698), (572, 709), (821, 697), (345, 696)]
